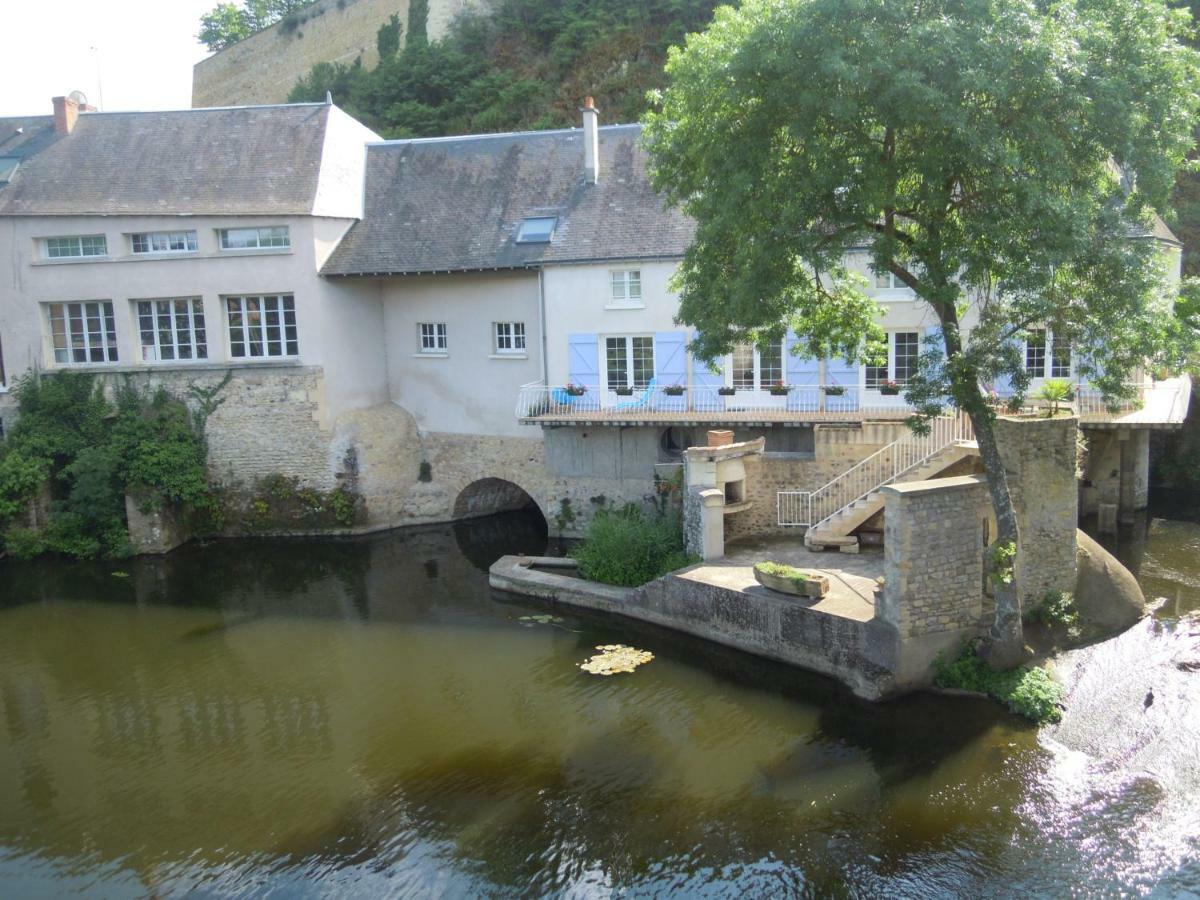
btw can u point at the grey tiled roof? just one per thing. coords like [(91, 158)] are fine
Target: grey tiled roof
[(455, 204), (237, 161), (23, 137)]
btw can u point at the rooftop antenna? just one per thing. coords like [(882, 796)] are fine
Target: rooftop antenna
[(99, 83)]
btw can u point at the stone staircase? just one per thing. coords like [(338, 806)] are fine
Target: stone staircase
[(838, 529), (835, 510)]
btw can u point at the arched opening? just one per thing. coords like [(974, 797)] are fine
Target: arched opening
[(488, 496), (501, 518)]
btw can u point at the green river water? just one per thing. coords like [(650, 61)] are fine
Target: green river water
[(365, 718)]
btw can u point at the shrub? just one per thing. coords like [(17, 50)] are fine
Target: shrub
[(23, 543), (1027, 692), (1055, 391), (628, 548), (1057, 610)]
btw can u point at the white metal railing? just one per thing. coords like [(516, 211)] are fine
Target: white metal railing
[(813, 508), (536, 399)]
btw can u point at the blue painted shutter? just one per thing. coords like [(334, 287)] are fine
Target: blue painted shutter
[(704, 377), (1003, 383), (845, 373), (670, 357), (583, 358), (933, 341), (800, 371)]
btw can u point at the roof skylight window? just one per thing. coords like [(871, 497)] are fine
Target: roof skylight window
[(536, 229), (8, 167)]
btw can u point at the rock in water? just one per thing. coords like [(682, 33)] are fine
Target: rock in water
[(1106, 593)]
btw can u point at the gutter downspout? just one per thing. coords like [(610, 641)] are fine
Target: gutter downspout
[(542, 323)]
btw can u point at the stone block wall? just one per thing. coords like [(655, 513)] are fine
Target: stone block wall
[(934, 555), (264, 67), (836, 449), (1039, 459)]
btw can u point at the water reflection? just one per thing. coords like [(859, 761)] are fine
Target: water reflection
[(364, 718)]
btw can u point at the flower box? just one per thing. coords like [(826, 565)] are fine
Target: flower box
[(834, 390), (726, 391), (623, 391), (889, 390), (575, 390), (674, 390), (780, 390), (788, 580)]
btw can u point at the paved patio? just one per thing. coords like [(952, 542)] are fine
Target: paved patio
[(852, 578)]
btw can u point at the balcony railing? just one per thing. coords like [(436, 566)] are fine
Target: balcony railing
[(1163, 402)]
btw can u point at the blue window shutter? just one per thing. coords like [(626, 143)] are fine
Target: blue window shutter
[(583, 359), (670, 357), (803, 372), (704, 377), (932, 332), (840, 371)]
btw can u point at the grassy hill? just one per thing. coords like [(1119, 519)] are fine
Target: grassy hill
[(526, 66)]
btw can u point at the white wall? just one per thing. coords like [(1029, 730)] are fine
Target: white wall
[(339, 326), (469, 389)]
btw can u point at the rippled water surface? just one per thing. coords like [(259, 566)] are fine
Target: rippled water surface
[(366, 719)]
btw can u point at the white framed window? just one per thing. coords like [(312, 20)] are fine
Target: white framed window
[(628, 361), (269, 237), (756, 368), (152, 242), (172, 329), (431, 337), (1047, 354), (83, 332), (262, 326), (887, 281), (626, 287), (509, 337), (74, 247), (536, 229), (904, 353)]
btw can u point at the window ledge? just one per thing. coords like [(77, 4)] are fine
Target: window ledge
[(70, 260), (509, 356), (432, 354), (254, 251), (615, 306)]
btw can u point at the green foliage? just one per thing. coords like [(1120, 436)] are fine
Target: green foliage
[(628, 548), (1003, 558), (526, 65), (387, 38), (1057, 610), (991, 181), (23, 543), (1027, 692), (228, 23), (280, 503), (565, 517), (1055, 391), (92, 453)]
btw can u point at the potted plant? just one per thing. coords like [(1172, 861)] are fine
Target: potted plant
[(726, 391), (576, 390), (674, 390), (889, 389), (834, 390), (779, 389)]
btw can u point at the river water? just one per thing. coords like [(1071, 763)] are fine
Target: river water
[(365, 718)]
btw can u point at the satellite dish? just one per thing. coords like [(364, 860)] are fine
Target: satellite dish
[(79, 97)]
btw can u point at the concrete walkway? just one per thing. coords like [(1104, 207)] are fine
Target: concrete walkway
[(852, 581)]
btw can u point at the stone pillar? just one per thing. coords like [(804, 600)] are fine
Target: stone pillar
[(934, 534), (1125, 499), (712, 524), (1039, 459), (158, 531)]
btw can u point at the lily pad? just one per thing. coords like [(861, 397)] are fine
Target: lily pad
[(615, 658)]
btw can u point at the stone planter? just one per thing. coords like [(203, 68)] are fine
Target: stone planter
[(815, 586)]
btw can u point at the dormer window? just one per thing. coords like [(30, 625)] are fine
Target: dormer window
[(536, 229)]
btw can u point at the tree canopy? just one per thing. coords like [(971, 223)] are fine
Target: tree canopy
[(1001, 158), (228, 23)]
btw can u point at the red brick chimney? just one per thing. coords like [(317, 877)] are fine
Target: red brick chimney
[(66, 111)]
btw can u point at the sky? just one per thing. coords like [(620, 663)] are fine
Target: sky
[(143, 56)]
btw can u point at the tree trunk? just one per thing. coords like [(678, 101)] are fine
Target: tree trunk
[(1005, 642)]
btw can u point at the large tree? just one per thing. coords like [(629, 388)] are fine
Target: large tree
[(1001, 158)]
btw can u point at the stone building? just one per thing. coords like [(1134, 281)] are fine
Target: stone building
[(460, 325)]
